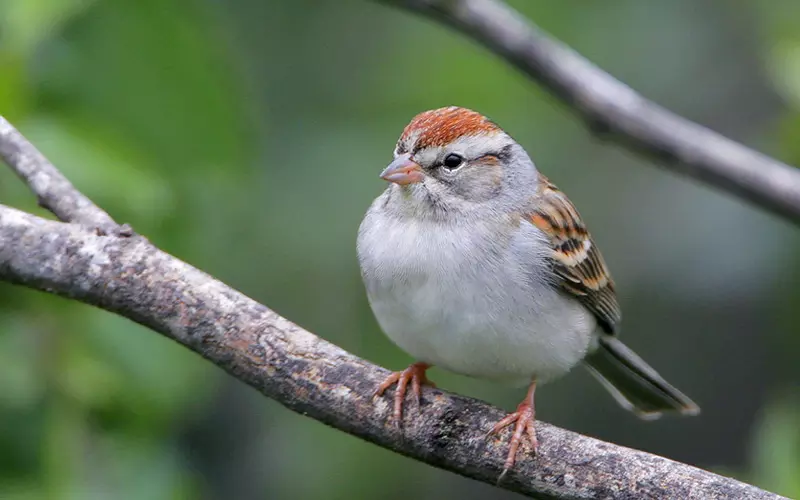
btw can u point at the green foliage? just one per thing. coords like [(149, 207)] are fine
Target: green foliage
[(777, 447)]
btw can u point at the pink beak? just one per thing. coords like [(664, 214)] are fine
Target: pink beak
[(403, 171)]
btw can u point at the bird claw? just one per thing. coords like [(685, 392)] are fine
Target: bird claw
[(414, 374), (524, 420)]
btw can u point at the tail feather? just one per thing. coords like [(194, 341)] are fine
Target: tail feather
[(633, 383)]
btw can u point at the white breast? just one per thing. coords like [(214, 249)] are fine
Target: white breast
[(469, 299)]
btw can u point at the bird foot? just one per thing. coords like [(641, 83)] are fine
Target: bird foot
[(414, 374), (524, 420)]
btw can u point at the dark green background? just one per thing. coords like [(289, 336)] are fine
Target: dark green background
[(245, 137)]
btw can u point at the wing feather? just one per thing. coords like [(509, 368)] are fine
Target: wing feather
[(576, 259)]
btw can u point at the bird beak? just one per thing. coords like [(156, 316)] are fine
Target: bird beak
[(403, 171)]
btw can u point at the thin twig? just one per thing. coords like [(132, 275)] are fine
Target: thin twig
[(133, 278), (615, 111), (53, 190)]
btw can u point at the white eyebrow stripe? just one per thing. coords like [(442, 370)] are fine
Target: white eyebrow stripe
[(473, 146)]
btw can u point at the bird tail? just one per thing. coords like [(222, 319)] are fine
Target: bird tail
[(633, 383)]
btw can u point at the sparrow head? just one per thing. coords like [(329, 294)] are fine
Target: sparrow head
[(454, 158)]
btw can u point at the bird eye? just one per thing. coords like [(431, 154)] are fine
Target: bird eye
[(452, 161)]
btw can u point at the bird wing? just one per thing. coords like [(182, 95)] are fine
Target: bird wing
[(576, 259)]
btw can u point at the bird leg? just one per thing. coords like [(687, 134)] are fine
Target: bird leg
[(414, 374), (524, 418)]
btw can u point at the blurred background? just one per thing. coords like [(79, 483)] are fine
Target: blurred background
[(245, 137)]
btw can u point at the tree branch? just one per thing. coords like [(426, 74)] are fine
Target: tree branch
[(615, 111), (131, 277), (54, 191)]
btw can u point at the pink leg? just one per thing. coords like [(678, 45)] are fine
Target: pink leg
[(524, 418)]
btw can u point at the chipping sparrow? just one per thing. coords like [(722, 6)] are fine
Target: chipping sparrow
[(475, 262)]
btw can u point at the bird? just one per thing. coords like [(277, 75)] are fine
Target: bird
[(473, 261)]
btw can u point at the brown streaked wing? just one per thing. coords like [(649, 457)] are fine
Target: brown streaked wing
[(576, 259)]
